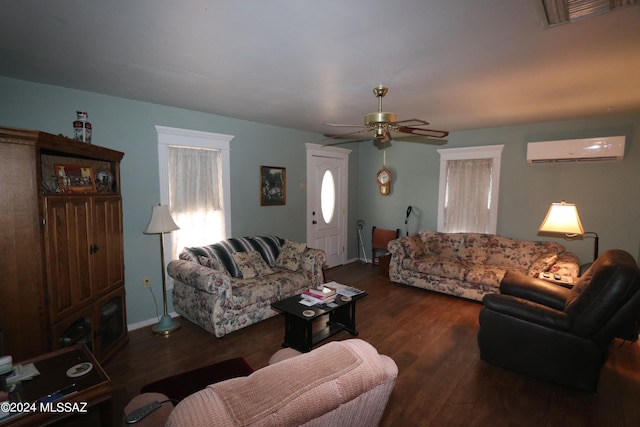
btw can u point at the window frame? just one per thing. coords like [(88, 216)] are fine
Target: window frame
[(168, 137), (493, 152)]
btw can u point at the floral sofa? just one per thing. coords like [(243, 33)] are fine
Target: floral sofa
[(470, 265), (231, 284)]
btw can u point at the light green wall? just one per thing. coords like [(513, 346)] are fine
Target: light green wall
[(128, 126), (607, 194)]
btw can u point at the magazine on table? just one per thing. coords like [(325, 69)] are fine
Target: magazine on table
[(347, 291)]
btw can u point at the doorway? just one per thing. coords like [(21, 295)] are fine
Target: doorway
[(327, 184)]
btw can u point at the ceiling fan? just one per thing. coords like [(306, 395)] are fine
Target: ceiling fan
[(380, 126)]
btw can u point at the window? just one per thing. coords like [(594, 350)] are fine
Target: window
[(469, 183), (196, 196), (328, 196), (195, 184)]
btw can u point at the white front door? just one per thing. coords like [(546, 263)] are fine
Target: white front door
[(327, 183)]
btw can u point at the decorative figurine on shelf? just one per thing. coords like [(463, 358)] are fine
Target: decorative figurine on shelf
[(81, 127)]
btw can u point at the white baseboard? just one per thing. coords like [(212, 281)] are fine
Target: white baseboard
[(145, 323)]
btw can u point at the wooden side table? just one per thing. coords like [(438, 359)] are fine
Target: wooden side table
[(81, 391)]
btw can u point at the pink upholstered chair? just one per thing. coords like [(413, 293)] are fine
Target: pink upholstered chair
[(344, 383)]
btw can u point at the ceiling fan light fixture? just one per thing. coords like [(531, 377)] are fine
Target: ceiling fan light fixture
[(380, 125), (372, 119), (381, 132)]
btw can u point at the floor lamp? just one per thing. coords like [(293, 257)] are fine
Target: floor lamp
[(563, 218), (160, 223)]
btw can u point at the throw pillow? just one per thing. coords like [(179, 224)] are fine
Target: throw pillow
[(413, 246), (212, 263), (542, 264), (290, 255), (251, 264)]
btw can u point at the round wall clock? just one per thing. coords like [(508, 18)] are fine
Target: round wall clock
[(383, 179)]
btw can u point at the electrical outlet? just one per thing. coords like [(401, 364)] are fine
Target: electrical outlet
[(146, 282)]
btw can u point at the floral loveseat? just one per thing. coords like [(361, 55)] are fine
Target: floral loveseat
[(231, 284), (470, 265)]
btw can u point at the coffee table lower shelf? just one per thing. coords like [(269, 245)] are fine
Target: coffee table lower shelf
[(330, 330), (299, 329)]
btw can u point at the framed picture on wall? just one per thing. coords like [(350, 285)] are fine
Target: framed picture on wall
[(273, 186), (75, 178)]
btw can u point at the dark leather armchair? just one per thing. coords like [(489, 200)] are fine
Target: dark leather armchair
[(556, 334)]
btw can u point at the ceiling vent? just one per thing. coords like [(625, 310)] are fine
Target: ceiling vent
[(610, 148), (562, 11)]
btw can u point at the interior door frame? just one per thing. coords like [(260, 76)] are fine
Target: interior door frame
[(316, 150)]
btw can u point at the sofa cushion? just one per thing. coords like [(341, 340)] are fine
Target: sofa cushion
[(566, 265), (249, 292), (251, 264), (468, 247), (267, 246), (519, 254), (542, 264), (472, 247), (290, 255), (288, 282), (413, 246), (212, 263), (436, 266), (488, 275)]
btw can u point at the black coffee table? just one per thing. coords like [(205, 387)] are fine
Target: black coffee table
[(298, 329)]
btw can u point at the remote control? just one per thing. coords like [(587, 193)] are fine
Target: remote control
[(142, 412)]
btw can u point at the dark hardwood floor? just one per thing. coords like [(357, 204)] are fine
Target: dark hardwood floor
[(432, 338)]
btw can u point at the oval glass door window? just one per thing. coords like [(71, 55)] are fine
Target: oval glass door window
[(328, 197)]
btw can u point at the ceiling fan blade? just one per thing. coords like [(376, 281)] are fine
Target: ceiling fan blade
[(424, 132), (421, 140), (356, 136), (351, 135), (409, 123), (340, 125)]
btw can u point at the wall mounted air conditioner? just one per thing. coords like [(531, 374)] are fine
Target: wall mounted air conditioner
[(610, 148)]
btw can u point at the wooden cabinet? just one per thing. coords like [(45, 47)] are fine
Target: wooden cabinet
[(62, 266)]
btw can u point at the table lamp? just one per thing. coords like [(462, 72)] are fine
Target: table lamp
[(160, 223), (563, 218)]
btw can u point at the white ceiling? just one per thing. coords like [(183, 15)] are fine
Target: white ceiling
[(459, 64)]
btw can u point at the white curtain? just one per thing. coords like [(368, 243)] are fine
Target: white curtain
[(468, 195), (195, 197)]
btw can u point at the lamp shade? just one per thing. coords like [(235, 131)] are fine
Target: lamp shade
[(161, 221), (562, 218)]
